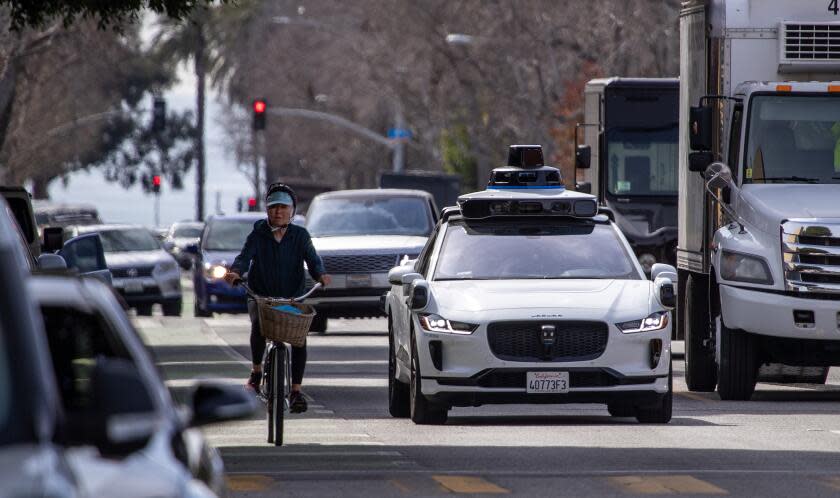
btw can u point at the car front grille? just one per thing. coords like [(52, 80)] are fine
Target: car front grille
[(132, 271), (523, 340), (373, 263), (811, 256)]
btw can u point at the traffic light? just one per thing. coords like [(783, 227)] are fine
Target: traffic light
[(259, 107), (159, 114), (252, 203), (156, 184)]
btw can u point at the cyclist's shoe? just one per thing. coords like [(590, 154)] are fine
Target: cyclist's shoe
[(297, 402), (253, 382)]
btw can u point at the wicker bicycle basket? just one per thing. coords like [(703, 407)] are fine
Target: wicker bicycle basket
[(278, 325)]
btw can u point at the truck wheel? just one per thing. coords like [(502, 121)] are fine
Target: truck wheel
[(398, 392), (319, 324), (422, 411), (144, 309), (659, 413), (199, 312), (621, 409), (700, 368), (738, 366)]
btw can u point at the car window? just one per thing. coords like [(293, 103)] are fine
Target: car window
[(227, 235), (423, 259), (20, 239), (187, 232), (83, 255), (369, 216), (128, 240), (543, 249)]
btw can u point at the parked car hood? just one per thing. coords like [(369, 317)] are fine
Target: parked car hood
[(397, 243), (485, 295), (136, 258)]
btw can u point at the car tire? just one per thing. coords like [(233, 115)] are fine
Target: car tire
[(661, 412), (700, 368), (738, 367), (199, 312), (422, 411), (172, 308), (319, 324), (144, 309), (621, 409), (399, 403)]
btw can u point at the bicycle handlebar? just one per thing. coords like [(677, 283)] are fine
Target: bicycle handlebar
[(298, 299)]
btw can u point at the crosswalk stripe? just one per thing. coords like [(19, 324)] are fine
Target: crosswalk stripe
[(665, 484), (469, 485)]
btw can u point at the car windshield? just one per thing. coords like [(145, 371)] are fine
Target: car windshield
[(187, 232), (544, 249), (369, 216), (128, 240), (793, 139), (227, 235), (642, 162)]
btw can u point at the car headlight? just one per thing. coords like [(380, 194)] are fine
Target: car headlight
[(744, 268), (436, 323), (647, 260), (654, 321), (214, 271)]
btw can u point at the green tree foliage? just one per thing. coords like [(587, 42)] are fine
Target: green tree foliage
[(457, 156)]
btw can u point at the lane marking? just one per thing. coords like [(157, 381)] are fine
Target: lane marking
[(399, 485), (319, 454), (665, 484), (693, 396), (227, 348), (832, 482), (520, 473), (469, 485), (249, 482)]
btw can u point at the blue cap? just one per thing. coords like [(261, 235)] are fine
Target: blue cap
[(279, 197)]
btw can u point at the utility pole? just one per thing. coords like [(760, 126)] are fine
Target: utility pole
[(200, 73), (399, 140)]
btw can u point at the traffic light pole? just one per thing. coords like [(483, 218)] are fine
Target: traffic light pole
[(157, 209)]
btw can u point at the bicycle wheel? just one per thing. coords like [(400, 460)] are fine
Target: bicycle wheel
[(269, 389), (278, 398)]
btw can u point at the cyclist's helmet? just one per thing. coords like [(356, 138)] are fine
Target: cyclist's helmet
[(275, 188)]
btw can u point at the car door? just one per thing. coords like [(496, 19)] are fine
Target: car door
[(86, 255)]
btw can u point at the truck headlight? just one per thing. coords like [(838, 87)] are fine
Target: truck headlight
[(436, 323), (739, 267), (654, 321), (214, 271)]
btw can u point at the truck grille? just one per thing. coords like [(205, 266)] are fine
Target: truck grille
[(377, 263), (811, 256), (811, 42), (522, 341)]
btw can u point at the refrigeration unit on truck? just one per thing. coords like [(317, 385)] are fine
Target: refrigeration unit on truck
[(759, 192), (628, 158)]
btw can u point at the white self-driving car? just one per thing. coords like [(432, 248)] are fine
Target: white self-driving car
[(525, 294)]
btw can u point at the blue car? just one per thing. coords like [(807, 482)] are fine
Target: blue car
[(221, 241)]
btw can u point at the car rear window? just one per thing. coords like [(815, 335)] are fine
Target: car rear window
[(332, 217), (227, 235)]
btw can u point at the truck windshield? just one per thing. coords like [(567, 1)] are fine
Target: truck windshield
[(369, 216), (539, 249), (642, 162), (793, 139)]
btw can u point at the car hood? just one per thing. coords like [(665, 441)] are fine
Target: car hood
[(486, 295), (396, 243), (767, 206), (220, 257), (136, 258)]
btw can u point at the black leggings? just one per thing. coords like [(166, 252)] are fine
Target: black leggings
[(258, 346)]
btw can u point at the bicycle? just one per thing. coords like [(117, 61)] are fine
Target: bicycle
[(281, 328)]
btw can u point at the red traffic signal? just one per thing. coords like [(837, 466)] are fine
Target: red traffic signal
[(156, 184), (259, 106), (252, 204)]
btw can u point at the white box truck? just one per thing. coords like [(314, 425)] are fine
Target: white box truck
[(759, 192)]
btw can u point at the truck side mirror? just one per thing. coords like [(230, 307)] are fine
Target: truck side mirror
[(699, 161), (583, 156), (585, 187), (53, 239), (700, 128)]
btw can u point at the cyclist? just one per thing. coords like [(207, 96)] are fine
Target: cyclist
[(273, 256)]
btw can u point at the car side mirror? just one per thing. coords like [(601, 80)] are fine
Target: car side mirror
[(585, 187), (48, 262), (408, 279), (661, 269), (699, 161), (191, 249), (419, 295), (583, 156), (667, 294), (53, 239), (212, 403), (700, 128), (396, 274)]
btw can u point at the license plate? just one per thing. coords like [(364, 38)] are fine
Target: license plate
[(358, 280), (133, 287), (547, 382)]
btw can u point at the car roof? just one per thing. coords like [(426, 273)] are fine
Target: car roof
[(188, 224), (109, 226), (374, 192), (249, 215), (47, 289)]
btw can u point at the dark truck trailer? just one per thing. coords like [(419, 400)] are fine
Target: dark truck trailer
[(445, 188), (631, 131)]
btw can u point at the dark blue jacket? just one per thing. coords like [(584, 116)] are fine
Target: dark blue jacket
[(276, 268)]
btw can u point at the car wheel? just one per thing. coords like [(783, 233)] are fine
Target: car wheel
[(199, 312), (399, 404), (621, 409), (700, 368), (422, 411), (144, 309), (738, 367), (660, 413), (319, 324), (172, 308)]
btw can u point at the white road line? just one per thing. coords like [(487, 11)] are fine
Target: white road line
[(227, 348), (310, 453), (521, 473)]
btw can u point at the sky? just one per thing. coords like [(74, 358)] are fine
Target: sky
[(118, 205)]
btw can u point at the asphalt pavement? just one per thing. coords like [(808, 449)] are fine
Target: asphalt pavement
[(786, 442)]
